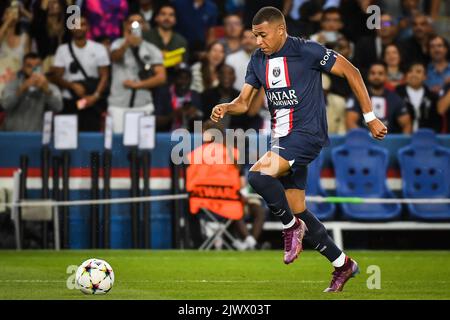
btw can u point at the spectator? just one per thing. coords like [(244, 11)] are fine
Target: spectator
[(330, 27), (410, 8), (196, 20), (137, 67), (438, 71), (339, 85), (14, 44), (344, 47), (223, 93), (26, 98), (415, 48), (105, 17), (355, 16), (309, 21), (392, 59), (230, 6), (146, 8), (204, 72), (387, 105), (254, 210), (443, 108), (335, 108), (83, 82), (172, 44), (292, 8), (25, 13), (48, 29), (185, 103), (253, 206), (369, 49), (233, 32), (240, 59), (420, 101)]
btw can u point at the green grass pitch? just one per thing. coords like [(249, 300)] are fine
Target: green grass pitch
[(224, 275)]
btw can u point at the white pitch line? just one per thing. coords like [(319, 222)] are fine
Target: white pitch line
[(174, 281)]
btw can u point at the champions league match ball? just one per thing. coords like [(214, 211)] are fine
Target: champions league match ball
[(94, 276)]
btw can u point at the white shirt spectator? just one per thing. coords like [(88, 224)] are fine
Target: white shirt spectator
[(128, 69), (239, 61), (92, 56)]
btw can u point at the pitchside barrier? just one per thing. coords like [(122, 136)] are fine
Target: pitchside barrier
[(165, 199)]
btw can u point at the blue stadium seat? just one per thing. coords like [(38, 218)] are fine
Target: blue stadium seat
[(323, 211), (425, 168), (360, 168)]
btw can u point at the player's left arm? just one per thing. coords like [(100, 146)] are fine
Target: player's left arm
[(343, 68)]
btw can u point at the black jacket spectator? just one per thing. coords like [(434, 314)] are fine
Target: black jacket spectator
[(414, 48), (428, 116), (412, 51), (355, 17)]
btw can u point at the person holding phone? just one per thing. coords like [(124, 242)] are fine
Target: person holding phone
[(137, 67), (14, 44), (26, 98)]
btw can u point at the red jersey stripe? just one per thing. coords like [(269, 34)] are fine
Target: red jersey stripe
[(286, 72), (267, 74)]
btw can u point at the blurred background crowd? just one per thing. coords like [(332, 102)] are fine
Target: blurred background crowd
[(177, 59)]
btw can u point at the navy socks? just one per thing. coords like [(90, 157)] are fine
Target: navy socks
[(317, 236), (272, 191)]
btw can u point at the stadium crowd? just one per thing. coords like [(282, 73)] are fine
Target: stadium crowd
[(177, 59)]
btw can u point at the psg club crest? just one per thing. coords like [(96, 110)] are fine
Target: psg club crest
[(276, 72)]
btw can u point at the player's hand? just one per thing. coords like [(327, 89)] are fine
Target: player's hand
[(377, 128), (218, 112)]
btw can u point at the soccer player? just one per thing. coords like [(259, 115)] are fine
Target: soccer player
[(290, 69)]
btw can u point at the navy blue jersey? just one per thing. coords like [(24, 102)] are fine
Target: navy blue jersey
[(388, 108), (292, 81)]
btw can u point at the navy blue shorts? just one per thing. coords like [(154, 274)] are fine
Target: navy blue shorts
[(299, 151)]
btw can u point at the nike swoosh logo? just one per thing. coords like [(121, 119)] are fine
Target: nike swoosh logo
[(275, 82)]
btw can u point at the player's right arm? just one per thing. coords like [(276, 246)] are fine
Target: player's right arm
[(343, 68), (237, 106)]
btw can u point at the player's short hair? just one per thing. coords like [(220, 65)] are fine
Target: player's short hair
[(269, 14)]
